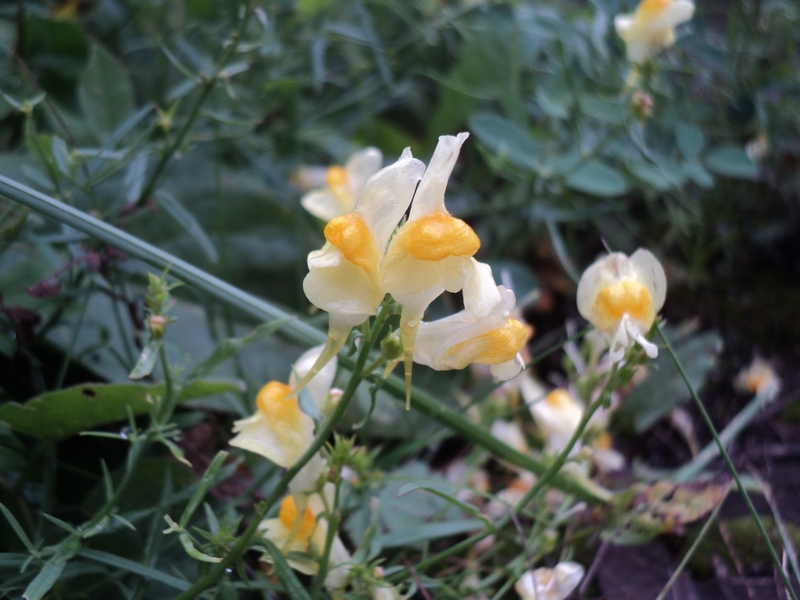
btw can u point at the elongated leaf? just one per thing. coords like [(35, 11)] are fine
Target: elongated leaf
[(431, 531), (597, 179), (190, 549), (58, 415), (105, 92), (232, 346), (731, 161), (133, 567), (188, 222), (285, 574), (23, 537), (506, 139), (690, 141), (448, 494), (46, 578), (202, 488), (147, 359)]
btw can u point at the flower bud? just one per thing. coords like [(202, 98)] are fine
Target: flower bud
[(641, 105), (392, 346), (157, 326)]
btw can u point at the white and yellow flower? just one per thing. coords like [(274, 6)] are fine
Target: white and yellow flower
[(279, 430), (550, 584), (432, 252), (557, 417), (299, 527), (338, 188), (652, 26), (621, 296), (483, 333)]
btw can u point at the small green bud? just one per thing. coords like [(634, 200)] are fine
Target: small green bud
[(392, 346)]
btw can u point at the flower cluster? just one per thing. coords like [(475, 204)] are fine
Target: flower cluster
[(368, 256)]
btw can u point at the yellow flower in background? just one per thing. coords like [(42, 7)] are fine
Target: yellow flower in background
[(621, 296), (338, 187), (279, 430), (758, 377), (652, 26), (483, 333), (550, 584)]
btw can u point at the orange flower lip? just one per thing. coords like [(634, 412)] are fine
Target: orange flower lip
[(438, 236)]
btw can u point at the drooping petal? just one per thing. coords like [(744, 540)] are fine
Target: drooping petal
[(550, 584), (322, 204)]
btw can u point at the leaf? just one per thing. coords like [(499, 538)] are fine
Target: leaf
[(697, 173), (188, 222), (731, 161), (230, 347), (294, 589), (58, 415), (147, 359), (105, 92), (506, 139), (430, 531), (52, 569), (690, 141), (23, 537), (208, 479), (663, 389), (647, 510), (133, 567), (597, 179), (604, 110), (188, 546), (651, 175), (448, 494)]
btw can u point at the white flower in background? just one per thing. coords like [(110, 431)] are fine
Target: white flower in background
[(652, 26), (511, 433), (758, 377), (483, 333), (338, 187), (604, 457), (557, 416), (550, 584), (279, 430), (621, 297)]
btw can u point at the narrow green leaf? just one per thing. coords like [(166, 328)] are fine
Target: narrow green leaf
[(232, 346), (134, 567), (188, 546), (23, 537), (431, 531), (108, 485), (46, 578), (448, 494), (294, 589), (208, 479), (188, 223), (147, 359), (62, 524), (58, 415)]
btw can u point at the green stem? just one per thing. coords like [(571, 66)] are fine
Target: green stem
[(208, 85), (742, 490), (333, 527), (549, 474), (246, 539)]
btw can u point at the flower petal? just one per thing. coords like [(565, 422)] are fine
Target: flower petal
[(430, 195), (361, 166)]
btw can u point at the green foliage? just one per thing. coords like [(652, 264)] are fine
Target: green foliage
[(172, 133)]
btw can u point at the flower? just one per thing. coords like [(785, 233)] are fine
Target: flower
[(621, 297), (758, 377), (557, 416), (299, 527), (279, 430), (550, 584), (482, 333), (364, 259), (652, 26), (339, 187)]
